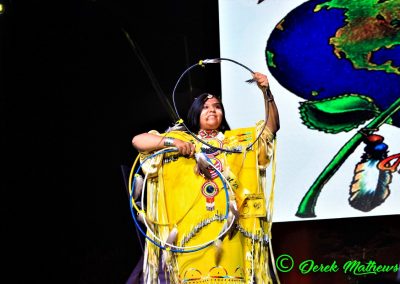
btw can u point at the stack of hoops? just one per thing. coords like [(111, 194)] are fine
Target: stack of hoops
[(141, 213)]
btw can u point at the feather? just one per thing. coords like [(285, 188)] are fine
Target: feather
[(233, 208), (218, 251), (226, 172), (171, 239), (233, 205), (232, 218), (370, 185), (202, 165), (164, 260), (166, 255), (139, 204), (141, 216), (176, 127), (137, 186), (228, 224), (232, 201)]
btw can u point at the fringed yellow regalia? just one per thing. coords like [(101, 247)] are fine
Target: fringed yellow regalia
[(181, 200)]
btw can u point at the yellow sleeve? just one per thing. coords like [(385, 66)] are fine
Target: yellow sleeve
[(151, 166)]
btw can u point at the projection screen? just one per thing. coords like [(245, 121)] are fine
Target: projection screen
[(334, 73)]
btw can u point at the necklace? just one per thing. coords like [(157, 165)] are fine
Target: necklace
[(214, 138), (208, 133)]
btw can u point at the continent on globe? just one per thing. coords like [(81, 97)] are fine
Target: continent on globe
[(370, 26)]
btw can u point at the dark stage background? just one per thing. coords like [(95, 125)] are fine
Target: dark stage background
[(73, 94)]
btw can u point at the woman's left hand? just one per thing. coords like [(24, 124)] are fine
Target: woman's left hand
[(262, 80)]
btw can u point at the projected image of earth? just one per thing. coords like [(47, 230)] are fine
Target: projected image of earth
[(343, 57)]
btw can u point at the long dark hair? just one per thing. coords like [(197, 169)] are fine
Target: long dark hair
[(195, 111)]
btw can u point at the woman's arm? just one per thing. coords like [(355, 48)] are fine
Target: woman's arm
[(273, 114), (147, 142)]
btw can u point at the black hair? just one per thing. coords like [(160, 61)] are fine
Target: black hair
[(195, 111)]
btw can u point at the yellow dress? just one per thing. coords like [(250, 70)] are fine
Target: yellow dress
[(181, 199)]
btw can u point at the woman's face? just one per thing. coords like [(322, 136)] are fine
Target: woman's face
[(211, 114)]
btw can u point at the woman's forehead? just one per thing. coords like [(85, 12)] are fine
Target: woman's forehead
[(212, 101)]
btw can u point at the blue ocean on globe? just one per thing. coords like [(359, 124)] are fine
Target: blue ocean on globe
[(301, 56)]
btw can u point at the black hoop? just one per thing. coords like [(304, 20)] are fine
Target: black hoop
[(180, 121)]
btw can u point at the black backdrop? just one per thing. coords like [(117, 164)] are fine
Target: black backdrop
[(73, 95)]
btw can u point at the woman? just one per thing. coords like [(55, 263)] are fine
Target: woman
[(187, 196)]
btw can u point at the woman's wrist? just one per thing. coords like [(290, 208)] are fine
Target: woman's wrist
[(268, 97), (169, 141)]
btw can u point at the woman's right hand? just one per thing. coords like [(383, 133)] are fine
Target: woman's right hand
[(148, 142), (184, 148)]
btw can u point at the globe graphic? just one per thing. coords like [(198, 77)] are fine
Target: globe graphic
[(346, 53)]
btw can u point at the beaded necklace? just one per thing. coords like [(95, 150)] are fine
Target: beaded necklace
[(210, 189)]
